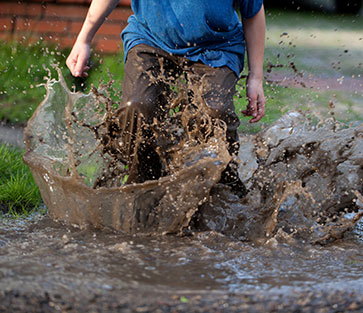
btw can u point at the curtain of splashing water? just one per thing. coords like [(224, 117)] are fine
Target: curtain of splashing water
[(302, 179)]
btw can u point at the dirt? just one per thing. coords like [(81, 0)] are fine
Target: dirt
[(306, 302)]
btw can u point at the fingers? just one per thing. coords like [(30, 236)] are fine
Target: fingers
[(256, 99), (251, 109), (260, 111), (76, 67), (255, 108), (83, 73), (78, 59), (80, 69), (71, 63)]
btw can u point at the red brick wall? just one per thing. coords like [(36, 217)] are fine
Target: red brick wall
[(59, 21)]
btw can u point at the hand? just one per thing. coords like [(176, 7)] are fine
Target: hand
[(256, 99), (78, 59)]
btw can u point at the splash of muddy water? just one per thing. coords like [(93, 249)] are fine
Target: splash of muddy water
[(305, 186), (74, 151), (302, 179)]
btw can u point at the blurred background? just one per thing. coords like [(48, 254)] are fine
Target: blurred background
[(332, 6), (313, 56)]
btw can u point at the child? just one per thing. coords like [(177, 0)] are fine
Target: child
[(203, 38)]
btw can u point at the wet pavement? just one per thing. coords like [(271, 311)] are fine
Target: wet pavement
[(12, 135), (49, 267)]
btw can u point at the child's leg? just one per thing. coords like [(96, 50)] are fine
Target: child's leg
[(141, 89), (219, 85), (143, 98)]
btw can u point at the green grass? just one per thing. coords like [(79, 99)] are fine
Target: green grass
[(19, 194), (24, 67)]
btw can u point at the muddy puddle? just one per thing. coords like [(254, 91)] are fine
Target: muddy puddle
[(181, 237), (50, 267), (39, 255)]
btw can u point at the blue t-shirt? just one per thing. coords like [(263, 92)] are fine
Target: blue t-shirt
[(201, 30)]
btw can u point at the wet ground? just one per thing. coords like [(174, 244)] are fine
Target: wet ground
[(266, 261), (48, 267)]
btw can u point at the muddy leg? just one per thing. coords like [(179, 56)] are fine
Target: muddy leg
[(219, 85), (144, 95)]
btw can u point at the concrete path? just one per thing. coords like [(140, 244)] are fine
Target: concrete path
[(12, 135)]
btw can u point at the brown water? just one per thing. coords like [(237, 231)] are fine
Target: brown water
[(76, 151), (297, 229), (38, 254), (302, 177)]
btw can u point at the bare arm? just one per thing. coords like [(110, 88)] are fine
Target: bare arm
[(254, 29), (78, 58)]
